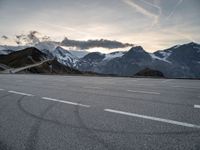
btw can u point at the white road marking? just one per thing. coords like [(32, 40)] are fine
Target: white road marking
[(1, 89), (90, 87), (144, 92), (185, 87), (196, 106), (66, 102), (154, 118), (20, 93)]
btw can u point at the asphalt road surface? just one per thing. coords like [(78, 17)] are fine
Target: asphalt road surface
[(40, 112)]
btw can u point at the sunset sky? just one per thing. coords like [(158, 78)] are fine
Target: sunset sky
[(153, 24)]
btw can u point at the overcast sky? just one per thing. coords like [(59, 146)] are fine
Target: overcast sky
[(154, 24)]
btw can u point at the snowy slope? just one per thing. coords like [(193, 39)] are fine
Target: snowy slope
[(65, 57), (164, 58), (113, 55)]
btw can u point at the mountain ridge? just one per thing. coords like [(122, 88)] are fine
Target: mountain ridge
[(179, 61)]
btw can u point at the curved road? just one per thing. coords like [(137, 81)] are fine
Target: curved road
[(15, 70)]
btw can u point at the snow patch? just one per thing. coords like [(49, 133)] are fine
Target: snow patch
[(177, 46), (165, 54), (158, 58), (113, 55), (65, 57)]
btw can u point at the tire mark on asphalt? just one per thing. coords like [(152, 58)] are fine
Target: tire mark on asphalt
[(124, 97), (65, 125), (90, 133), (33, 137)]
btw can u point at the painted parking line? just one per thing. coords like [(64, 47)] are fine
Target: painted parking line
[(185, 87), (20, 93), (65, 102), (144, 92), (1, 89), (154, 118), (197, 106)]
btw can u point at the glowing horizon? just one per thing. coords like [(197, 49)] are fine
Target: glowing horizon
[(153, 24)]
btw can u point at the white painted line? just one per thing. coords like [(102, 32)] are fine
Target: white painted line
[(185, 87), (154, 118), (1, 89), (20, 93), (197, 106), (144, 92), (66, 102)]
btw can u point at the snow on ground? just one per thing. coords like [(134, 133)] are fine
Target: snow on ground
[(177, 46), (65, 57), (162, 59), (113, 55), (165, 54)]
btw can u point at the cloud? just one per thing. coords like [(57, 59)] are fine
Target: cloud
[(94, 43), (174, 10), (144, 11)]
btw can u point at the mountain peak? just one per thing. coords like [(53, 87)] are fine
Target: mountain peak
[(192, 43), (137, 49)]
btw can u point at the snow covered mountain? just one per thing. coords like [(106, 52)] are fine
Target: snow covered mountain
[(180, 61), (49, 47), (65, 57), (183, 60)]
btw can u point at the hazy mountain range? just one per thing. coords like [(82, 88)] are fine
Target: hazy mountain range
[(180, 61)]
